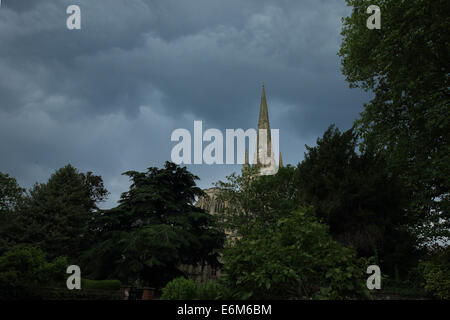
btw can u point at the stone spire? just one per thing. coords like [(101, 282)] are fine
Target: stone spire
[(280, 162), (263, 159), (263, 123), (246, 163)]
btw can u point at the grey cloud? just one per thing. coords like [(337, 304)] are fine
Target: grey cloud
[(106, 98)]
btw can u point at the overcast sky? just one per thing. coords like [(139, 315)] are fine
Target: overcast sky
[(106, 98)]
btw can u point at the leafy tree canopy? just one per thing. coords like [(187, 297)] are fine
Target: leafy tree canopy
[(362, 202), (405, 64), (154, 229), (12, 198), (11, 194), (58, 212), (294, 258), (251, 198)]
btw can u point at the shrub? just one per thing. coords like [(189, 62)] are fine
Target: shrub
[(209, 291), (187, 289), (436, 274), (179, 289), (100, 285)]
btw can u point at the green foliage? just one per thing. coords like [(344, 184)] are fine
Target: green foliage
[(11, 194), (155, 228), (212, 290), (180, 289), (405, 64), (58, 212), (57, 293), (27, 266), (186, 289), (436, 274), (295, 258), (257, 198), (101, 285), (12, 198), (361, 201)]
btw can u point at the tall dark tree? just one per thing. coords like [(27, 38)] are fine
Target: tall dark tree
[(11, 194), (155, 229), (353, 193), (406, 65), (58, 212), (12, 198)]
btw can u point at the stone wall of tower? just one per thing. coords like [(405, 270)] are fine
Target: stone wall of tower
[(210, 202)]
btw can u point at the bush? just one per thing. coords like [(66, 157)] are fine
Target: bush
[(179, 289), (187, 289), (57, 293), (100, 285), (209, 291), (436, 274)]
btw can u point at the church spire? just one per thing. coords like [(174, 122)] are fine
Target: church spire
[(263, 123), (280, 162), (263, 158)]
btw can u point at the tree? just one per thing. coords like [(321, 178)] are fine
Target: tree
[(253, 198), (154, 230), (12, 197), (353, 193), (58, 212), (278, 250), (295, 258), (405, 64), (11, 194)]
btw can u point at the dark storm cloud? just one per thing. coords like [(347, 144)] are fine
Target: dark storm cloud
[(107, 98)]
